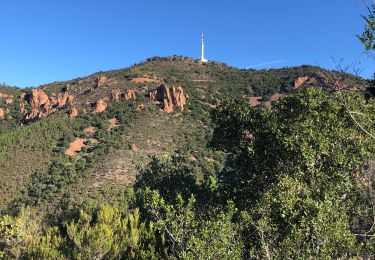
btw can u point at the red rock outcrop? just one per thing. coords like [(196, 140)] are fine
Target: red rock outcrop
[(9, 101), (73, 112), (71, 99), (3, 95), (254, 101), (101, 81), (129, 95), (34, 115), (178, 97), (62, 99), (165, 98), (170, 98), (115, 94), (100, 106), (41, 105), (22, 103), (2, 114), (273, 98), (299, 82), (38, 98)]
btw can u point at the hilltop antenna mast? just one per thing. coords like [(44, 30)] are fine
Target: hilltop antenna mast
[(202, 50)]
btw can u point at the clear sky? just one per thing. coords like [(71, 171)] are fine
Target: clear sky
[(53, 40)]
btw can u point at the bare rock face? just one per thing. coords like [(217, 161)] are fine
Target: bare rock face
[(41, 105), (9, 101), (101, 81), (165, 95), (170, 98), (2, 114), (71, 99), (115, 95), (38, 98), (129, 95), (178, 97), (22, 103), (100, 106), (62, 99), (299, 82), (68, 87), (34, 115), (73, 112)]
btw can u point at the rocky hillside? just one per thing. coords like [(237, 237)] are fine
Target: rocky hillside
[(89, 136)]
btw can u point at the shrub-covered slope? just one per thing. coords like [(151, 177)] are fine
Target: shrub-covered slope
[(34, 141)]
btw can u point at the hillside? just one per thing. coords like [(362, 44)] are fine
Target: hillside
[(177, 159), (130, 120)]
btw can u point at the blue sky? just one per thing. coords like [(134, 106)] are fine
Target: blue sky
[(50, 40)]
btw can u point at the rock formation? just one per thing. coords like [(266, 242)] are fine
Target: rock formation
[(2, 114), (153, 94), (9, 101), (101, 81), (34, 115), (273, 99), (178, 97), (100, 106), (62, 99), (129, 95), (299, 82), (73, 112), (22, 103), (115, 95), (38, 98), (170, 98), (71, 99), (41, 105), (255, 101)]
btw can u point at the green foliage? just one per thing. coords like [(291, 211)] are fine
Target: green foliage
[(169, 176), (367, 37), (190, 235), (296, 170)]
